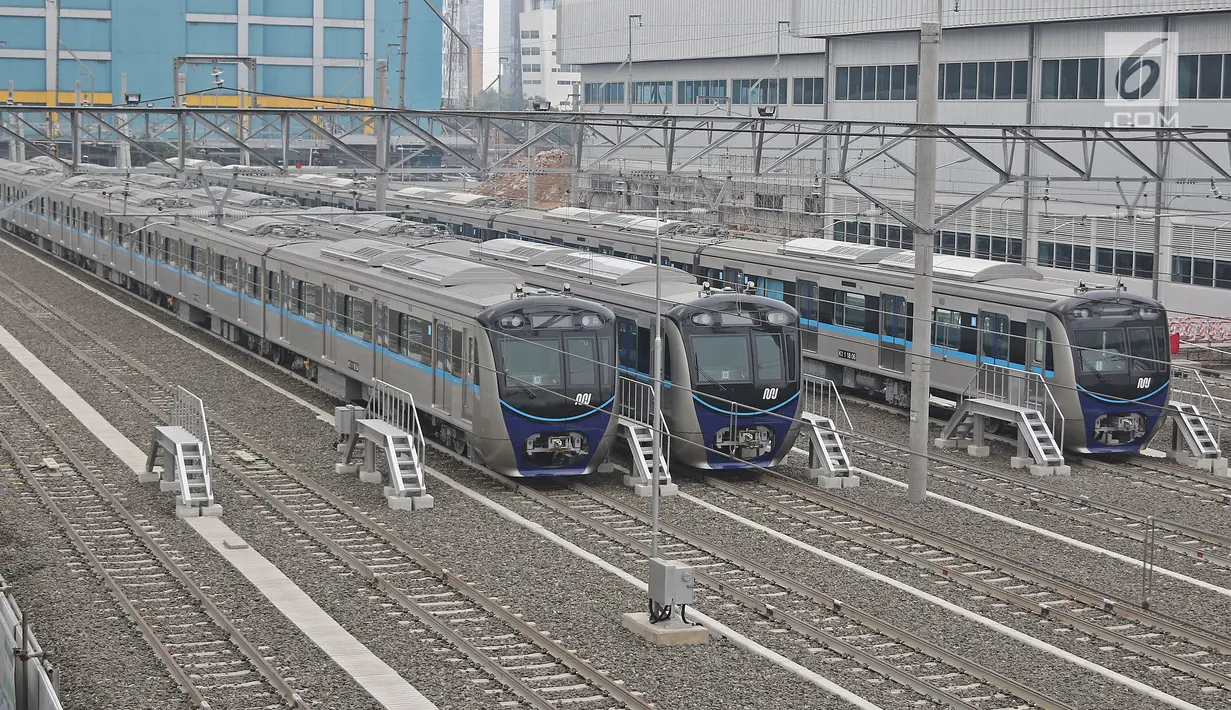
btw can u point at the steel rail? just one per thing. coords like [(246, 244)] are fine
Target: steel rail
[(1000, 564), (581, 667), (250, 651), (1204, 536), (773, 613)]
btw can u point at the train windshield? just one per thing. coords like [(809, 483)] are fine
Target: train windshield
[(568, 362), (1115, 351), (739, 358)]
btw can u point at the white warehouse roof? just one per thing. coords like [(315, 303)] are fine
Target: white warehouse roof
[(831, 18)]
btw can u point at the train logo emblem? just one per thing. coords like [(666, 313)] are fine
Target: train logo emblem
[(770, 393), (583, 399), (1143, 382)]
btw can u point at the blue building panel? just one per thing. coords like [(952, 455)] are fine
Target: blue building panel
[(344, 9), (71, 72), (147, 36), (223, 7), (284, 80), (279, 41), (212, 38), (84, 4), (423, 52), (86, 34), (24, 3), (24, 33), (281, 8), (344, 82), (343, 43), (26, 74)]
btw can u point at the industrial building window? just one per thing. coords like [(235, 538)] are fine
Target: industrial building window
[(702, 91), (529, 51), (1123, 262), (809, 91), (532, 68), (529, 34), (604, 93), (768, 202), (853, 232), (1201, 272), (652, 92), (1072, 79), (893, 235), (888, 82), (1064, 256), (758, 91), (982, 81), (1205, 76)]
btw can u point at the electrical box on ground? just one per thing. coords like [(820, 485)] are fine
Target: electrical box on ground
[(671, 583)]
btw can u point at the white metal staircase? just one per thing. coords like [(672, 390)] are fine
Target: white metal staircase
[(636, 426), (1190, 401), (1016, 397), (828, 462), (186, 440), (391, 422)]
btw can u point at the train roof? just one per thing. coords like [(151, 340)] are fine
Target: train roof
[(393, 269)]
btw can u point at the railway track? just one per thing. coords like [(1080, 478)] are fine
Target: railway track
[(206, 654), (1201, 545), (1170, 476), (992, 577), (529, 668), (845, 639)]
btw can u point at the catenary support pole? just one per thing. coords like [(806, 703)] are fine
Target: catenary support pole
[(925, 216), (402, 56)]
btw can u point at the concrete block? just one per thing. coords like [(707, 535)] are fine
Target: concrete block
[(605, 467), (850, 481), (646, 490), (197, 511), (1042, 470), (411, 503), (168, 486), (1020, 461), (346, 469), (978, 452), (148, 477), (1062, 470), (828, 482), (945, 443), (370, 477), (670, 633), (1220, 468)]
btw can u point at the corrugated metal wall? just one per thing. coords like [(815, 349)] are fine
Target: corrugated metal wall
[(596, 31), (821, 18)]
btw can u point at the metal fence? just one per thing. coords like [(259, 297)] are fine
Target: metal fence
[(27, 680), (821, 397)]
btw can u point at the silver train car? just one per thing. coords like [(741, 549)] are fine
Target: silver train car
[(1102, 352), (524, 383)]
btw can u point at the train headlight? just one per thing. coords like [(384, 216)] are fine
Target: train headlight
[(1148, 313), (512, 322), (590, 320), (703, 319), (777, 318)]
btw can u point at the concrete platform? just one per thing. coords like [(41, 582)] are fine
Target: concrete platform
[(669, 633)]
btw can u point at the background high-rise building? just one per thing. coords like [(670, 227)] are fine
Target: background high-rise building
[(541, 72), (304, 55)]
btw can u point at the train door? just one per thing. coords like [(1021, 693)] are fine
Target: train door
[(805, 302), (243, 307), (331, 321), (1036, 347), (470, 378), (994, 338), (288, 287), (443, 389), (210, 273), (380, 340), (893, 333)]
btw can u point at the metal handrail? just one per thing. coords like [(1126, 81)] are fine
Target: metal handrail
[(1193, 396), (396, 407), (828, 396), (1019, 388), (188, 412)]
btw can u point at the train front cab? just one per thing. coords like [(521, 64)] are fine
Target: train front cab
[(554, 361), (736, 381), (1121, 367)]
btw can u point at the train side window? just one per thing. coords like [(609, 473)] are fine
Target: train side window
[(472, 351), (994, 328), (970, 333), (805, 303), (1040, 343), (360, 318), (253, 279), (342, 314), (1017, 342), (1050, 366), (456, 363), (294, 302), (273, 289), (311, 301), (826, 305), (626, 333), (947, 329), (149, 245), (850, 310)]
